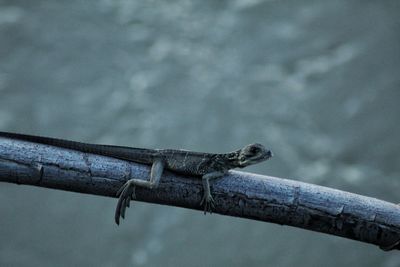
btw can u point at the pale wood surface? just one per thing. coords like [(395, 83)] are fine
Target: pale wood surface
[(239, 194)]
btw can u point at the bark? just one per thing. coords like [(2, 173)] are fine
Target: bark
[(239, 194)]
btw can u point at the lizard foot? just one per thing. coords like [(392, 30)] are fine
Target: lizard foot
[(126, 193), (208, 203)]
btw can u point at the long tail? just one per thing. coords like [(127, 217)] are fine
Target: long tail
[(121, 152)]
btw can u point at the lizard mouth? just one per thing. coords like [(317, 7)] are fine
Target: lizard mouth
[(246, 160)]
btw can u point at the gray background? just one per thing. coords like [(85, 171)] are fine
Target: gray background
[(316, 81)]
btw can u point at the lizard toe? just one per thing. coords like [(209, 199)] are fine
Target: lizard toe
[(211, 204), (125, 194), (118, 210), (120, 190), (202, 200), (123, 208), (208, 203)]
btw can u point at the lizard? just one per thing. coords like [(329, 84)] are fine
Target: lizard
[(207, 166)]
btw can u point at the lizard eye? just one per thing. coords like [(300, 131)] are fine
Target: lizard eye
[(254, 150)]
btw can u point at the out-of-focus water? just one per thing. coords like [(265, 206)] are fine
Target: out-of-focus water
[(316, 81)]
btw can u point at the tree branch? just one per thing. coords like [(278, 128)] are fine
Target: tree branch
[(238, 194)]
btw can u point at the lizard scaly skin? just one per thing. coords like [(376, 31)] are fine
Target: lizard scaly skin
[(208, 166)]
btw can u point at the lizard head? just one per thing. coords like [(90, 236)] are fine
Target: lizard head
[(252, 154)]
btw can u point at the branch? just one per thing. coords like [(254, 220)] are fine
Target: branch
[(238, 194)]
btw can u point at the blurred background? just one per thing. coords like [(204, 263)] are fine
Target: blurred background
[(316, 81)]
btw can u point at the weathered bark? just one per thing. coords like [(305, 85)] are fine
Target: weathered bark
[(238, 194)]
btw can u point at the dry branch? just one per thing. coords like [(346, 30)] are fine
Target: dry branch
[(238, 194)]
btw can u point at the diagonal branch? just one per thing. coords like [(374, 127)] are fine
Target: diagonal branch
[(238, 194)]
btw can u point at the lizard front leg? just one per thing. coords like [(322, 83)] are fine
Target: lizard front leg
[(127, 192), (207, 199)]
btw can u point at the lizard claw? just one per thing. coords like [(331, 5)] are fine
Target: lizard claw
[(125, 193), (208, 202)]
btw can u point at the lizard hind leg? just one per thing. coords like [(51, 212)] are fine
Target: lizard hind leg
[(207, 201), (127, 192)]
